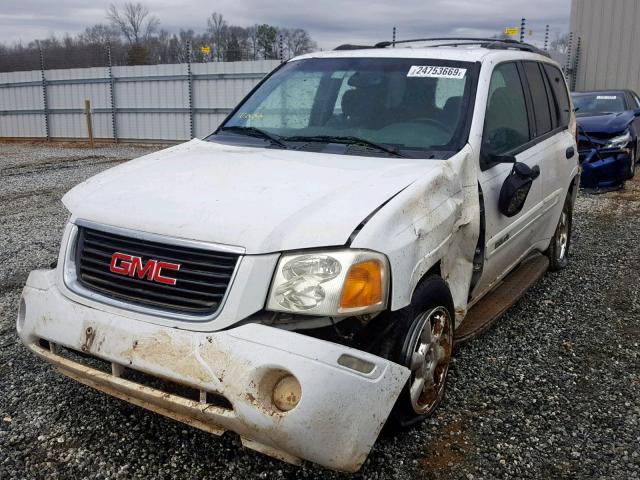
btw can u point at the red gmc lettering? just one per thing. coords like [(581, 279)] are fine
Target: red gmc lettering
[(123, 267), (142, 271), (157, 275), (125, 264)]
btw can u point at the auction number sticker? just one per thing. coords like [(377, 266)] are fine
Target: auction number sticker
[(432, 71)]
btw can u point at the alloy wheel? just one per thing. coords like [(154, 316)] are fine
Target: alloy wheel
[(430, 357), (562, 236)]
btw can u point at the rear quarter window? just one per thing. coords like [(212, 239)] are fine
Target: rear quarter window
[(559, 88), (541, 110)]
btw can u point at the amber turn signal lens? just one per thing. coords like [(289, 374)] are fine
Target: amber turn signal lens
[(363, 285)]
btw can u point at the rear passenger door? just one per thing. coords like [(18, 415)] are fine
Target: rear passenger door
[(556, 142)]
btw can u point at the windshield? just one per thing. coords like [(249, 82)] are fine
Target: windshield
[(414, 107), (598, 103)]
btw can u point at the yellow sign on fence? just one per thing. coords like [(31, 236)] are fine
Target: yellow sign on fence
[(511, 31), (205, 50)]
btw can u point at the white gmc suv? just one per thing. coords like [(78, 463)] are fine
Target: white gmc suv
[(301, 275)]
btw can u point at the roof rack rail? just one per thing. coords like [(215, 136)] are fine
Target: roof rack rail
[(494, 43), (348, 46)]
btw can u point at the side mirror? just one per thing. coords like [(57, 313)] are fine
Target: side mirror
[(636, 112), (515, 188)]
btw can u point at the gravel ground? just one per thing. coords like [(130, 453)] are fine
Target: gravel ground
[(551, 391)]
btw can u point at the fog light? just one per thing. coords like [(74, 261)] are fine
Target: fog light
[(287, 393)]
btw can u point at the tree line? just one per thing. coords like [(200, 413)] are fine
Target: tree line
[(134, 36)]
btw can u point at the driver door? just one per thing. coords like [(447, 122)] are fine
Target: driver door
[(507, 131)]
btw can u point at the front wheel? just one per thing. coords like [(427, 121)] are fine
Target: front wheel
[(427, 353), (422, 340), (558, 251)]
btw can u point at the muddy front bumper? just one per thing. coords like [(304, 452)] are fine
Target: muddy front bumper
[(335, 423)]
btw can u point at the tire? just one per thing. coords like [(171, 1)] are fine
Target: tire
[(558, 251), (408, 341), (632, 167)]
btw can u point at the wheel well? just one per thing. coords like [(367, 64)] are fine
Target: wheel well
[(434, 270), (573, 187)]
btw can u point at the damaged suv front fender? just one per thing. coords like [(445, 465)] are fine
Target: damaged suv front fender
[(435, 219)]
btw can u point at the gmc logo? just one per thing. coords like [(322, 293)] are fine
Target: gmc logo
[(125, 264)]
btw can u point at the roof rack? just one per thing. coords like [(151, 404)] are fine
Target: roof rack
[(348, 46), (493, 43)]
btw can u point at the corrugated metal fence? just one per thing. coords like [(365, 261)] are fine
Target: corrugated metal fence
[(604, 44), (154, 102)]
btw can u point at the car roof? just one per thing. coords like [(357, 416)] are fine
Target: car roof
[(462, 53)]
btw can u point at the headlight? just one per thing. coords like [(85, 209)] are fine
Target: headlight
[(332, 283), (620, 141)]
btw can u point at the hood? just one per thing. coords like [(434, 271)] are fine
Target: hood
[(610, 123), (264, 200)]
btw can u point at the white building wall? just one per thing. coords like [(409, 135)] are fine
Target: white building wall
[(609, 33)]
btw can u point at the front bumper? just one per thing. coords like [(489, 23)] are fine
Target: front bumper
[(608, 169), (335, 424)]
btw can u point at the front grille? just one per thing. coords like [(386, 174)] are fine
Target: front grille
[(201, 281)]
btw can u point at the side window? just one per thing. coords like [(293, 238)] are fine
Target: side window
[(559, 88), (506, 124), (541, 110)]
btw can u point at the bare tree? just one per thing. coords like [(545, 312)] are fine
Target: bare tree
[(252, 34), (297, 41), (134, 21), (217, 28), (100, 34)]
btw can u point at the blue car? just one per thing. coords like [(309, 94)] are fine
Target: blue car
[(608, 128)]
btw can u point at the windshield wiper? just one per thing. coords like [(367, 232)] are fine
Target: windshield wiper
[(347, 140), (255, 132)]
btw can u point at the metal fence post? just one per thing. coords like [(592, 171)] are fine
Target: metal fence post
[(567, 67), (190, 91), (87, 114), (45, 98), (576, 63), (522, 27), (112, 97), (281, 48), (393, 41), (546, 38)]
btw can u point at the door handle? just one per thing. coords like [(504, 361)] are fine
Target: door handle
[(570, 152)]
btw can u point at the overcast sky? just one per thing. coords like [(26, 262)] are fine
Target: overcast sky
[(330, 22)]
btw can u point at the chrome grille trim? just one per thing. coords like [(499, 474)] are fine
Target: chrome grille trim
[(76, 285)]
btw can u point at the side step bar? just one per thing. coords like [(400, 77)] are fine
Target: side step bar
[(484, 313)]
